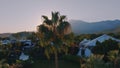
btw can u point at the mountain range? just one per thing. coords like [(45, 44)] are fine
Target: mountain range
[(82, 27), (4, 35)]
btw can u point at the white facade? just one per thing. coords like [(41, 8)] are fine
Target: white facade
[(23, 57), (87, 52)]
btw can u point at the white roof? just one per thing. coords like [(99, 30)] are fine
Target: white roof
[(5, 41), (23, 57), (100, 39), (84, 41)]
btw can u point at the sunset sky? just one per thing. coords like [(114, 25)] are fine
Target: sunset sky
[(25, 15)]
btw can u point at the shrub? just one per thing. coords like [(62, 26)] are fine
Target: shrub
[(96, 62), (72, 58)]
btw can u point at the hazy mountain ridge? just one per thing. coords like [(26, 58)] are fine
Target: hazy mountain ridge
[(81, 27), (3, 35), (18, 34)]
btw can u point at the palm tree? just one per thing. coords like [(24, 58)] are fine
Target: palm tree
[(52, 33)]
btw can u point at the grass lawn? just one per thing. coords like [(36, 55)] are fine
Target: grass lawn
[(51, 64)]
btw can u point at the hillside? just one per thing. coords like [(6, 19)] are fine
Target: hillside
[(17, 35), (3, 35), (81, 27)]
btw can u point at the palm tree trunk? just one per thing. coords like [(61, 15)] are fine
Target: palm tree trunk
[(56, 60), (80, 63)]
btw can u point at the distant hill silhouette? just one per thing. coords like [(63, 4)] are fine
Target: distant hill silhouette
[(4, 35), (18, 34), (82, 27)]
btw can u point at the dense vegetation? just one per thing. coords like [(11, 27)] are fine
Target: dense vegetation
[(105, 55)]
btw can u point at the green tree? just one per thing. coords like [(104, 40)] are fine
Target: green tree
[(54, 34), (32, 37), (105, 47)]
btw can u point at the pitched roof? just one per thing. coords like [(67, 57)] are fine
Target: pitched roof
[(100, 39), (84, 41)]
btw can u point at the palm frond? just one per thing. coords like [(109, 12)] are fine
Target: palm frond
[(46, 20), (63, 27), (42, 28), (63, 17), (45, 17), (55, 17)]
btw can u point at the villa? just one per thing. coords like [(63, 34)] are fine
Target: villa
[(86, 45)]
